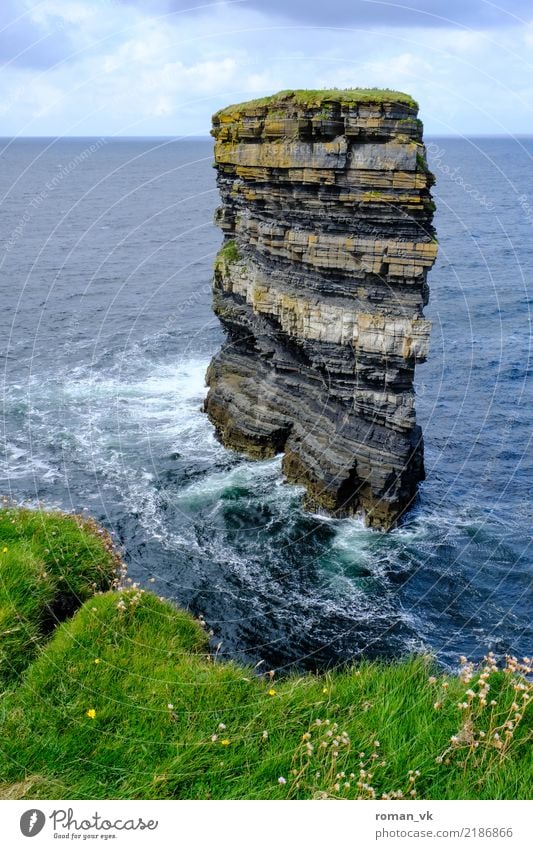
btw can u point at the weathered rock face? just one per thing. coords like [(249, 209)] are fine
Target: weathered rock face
[(320, 286)]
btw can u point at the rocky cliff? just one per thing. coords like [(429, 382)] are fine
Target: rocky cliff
[(320, 286)]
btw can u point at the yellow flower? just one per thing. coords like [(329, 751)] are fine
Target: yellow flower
[(272, 692), (325, 690), (225, 742), (5, 549), (97, 660), (91, 713)]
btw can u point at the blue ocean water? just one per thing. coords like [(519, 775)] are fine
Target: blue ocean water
[(105, 334)]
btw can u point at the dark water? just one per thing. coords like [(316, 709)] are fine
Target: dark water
[(105, 334)]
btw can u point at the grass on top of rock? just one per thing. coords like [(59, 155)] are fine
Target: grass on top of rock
[(50, 564), (125, 701), (316, 98)]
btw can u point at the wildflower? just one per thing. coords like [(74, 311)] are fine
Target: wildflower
[(264, 735), (221, 726), (225, 742), (91, 713), (432, 679), (282, 780), (5, 549), (377, 743), (437, 705), (325, 690), (170, 706), (97, 660), (272, 692), (214, 738)]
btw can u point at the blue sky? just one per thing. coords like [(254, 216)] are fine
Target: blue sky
[(162, 67)]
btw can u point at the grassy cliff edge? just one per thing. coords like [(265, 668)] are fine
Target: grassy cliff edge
[(122, 699)]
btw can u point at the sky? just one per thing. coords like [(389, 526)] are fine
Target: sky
[(162, 67)]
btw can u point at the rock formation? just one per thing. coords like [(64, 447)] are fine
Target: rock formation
[(320, 286)]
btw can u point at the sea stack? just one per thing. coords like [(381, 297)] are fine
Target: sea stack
[(320, 286)]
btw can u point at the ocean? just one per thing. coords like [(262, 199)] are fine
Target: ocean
[(106, 331)]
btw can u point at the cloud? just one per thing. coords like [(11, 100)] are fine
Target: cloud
[(27, 42), (365, 13), (129, 69)]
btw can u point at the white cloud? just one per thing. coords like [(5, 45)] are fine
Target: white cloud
[(528, 34), (66, 10), (393, 71), (134, 72)]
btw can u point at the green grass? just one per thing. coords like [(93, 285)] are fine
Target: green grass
[(229, 252), (125, 701), (315, 98), (49, 565)]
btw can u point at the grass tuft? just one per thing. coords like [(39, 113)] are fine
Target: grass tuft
[(125, 701), (49, 565)]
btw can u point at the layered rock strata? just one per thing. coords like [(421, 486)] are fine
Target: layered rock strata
[(320, 286)]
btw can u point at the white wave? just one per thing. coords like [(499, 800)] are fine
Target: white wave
[(247, 474)]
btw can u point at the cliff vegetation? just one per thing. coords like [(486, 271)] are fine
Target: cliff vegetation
[(123, 699)]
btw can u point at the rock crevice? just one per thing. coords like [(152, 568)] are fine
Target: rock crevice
[(320, 286)]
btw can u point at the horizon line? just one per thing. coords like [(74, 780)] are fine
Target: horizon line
[(207, 137)]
